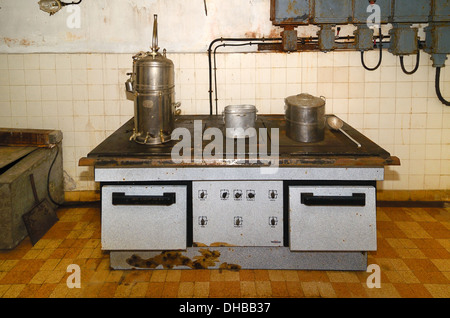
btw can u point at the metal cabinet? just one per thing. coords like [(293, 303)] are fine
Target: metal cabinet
[(417, 11), (332, 218), (144, 217), (441, 11), (237, 213), (332, 11), (284, 12)]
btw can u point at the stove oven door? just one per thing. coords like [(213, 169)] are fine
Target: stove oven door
[(332, 218), (144, 217)]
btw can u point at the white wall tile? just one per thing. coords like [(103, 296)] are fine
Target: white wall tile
[(64, 92), (19, 122), (262, 60), (48, 77), (33, 93), (63, 62), (78, 61), (18, 109), (48, 93), (85, 93), (95, 92), (3, 61), (34, 108), (94, 61), (4, 94), (356, 90), (15, 61), (47, 61), (17, 93), (50, 108), (340, 90), (32, 77), (64, 76), (16, 77), (34, 122), (96, 108), (5, 109), (278, 60)]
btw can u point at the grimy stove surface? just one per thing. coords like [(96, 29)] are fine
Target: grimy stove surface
[(335, 149)]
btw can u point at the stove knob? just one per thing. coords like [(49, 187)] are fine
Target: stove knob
[(273, 195), (250, 195), (237, 195), (202, 195), (224, 195)]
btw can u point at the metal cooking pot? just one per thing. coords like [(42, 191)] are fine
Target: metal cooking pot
[(238, 119), (152, 83), (304, 116)]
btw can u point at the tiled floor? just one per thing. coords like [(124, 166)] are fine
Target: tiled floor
[(413, 255)]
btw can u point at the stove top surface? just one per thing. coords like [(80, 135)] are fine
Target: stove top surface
[(118, 148)]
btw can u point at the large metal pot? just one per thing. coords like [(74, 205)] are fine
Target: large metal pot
[(238, 119), (152, 83), (304, 116)]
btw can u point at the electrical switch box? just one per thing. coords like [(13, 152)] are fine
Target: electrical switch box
[(332, 11), (289, 12), (404, 40), (417, 11)]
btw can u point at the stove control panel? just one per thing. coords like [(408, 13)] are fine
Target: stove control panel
[(238, 213)]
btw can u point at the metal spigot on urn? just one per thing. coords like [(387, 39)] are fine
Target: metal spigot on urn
[(152, 84)]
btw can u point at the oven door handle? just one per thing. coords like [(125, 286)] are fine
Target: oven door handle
[(167, 199), (356, 199)]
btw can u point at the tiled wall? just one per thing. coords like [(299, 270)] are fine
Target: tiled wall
[(83, 95)]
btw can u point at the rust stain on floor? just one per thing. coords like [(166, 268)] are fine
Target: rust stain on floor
[(169, 259)]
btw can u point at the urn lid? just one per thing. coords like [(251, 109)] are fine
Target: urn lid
[(305, 100)]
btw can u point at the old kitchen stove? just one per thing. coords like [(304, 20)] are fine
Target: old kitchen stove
[(316, 211)]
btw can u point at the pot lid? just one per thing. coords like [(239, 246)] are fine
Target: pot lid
[(240, 109), (305, 100), (152, 58)]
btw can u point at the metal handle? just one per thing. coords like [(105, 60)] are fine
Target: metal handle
[(155, 47), (167, 199), (33, 187), (349, 137), (356, 199)]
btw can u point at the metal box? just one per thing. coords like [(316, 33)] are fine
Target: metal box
[(144, 217), (363, 38), (437, 38), (404, 40), (417, 11), (332, 11), (327, 38), (293, 12), (16, 194), (441, 11), (332, 218), (237, 213)]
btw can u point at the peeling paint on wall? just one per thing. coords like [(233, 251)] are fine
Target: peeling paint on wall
[(17, 42), (118, 26)]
